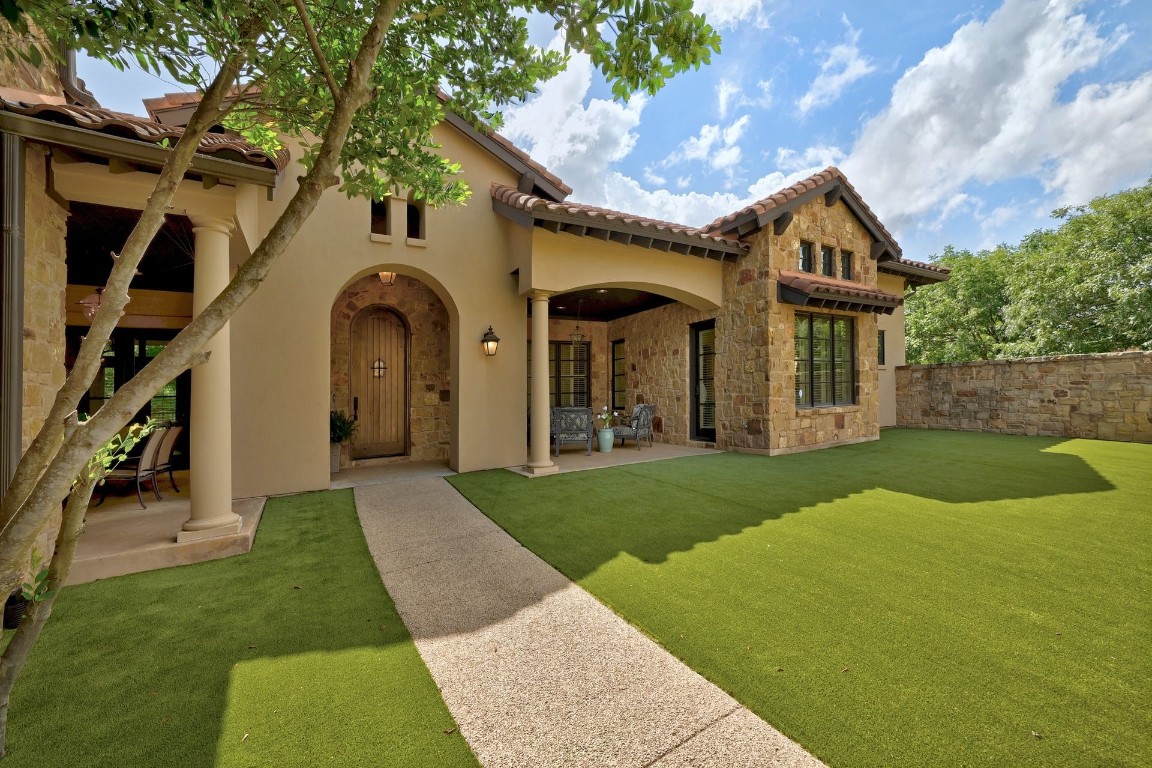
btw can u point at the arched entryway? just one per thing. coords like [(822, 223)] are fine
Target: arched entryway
[(391, 369), (378, 381)]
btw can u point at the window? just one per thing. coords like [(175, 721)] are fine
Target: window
[(569, 375), (381, 221), (704, 380), (827, 258), (845, 265), (805, 256), (619, 377), (825, 360), (415, 220), (880, 348)]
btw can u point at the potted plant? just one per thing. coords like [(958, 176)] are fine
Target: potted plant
[(604, 434), (341, 427)]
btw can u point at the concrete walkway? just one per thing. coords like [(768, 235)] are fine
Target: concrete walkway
[(536, 671)]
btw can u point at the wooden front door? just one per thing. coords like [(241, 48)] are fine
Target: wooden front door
[(379, 383)]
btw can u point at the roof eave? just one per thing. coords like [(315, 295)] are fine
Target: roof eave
[(912, 274), (620, 232), (105, 145), (753, 222), (518, 164), (817, 299)]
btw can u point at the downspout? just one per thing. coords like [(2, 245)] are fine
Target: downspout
[(11, 304)]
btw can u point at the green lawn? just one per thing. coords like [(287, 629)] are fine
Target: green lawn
[(931, 599), (292, 655)]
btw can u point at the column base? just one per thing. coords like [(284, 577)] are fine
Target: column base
[(197, 530), (541, 469)]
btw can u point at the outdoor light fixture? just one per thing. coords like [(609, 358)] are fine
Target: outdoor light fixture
[(577, 337), (388, 278), (91, 304), (490, 341)]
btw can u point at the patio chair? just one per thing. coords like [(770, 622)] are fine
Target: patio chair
[(638, 426), (164, 456), (138, 470), (571, 425)]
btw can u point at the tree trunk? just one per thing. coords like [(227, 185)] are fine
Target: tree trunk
[(16, 654)]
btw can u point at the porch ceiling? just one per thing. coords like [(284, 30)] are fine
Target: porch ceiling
[(96, 231), (602, 304)]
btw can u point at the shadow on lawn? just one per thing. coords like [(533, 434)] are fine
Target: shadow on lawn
[(581, 520)]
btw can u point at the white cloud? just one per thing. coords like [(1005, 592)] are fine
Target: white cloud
[(819, 157), (726, 14), (842, 66), (654, 178), (986, 108), (574, 141), (730, 95), (718, 146)]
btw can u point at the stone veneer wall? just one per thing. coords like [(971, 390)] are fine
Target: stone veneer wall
[(1106, 396), (755, 368), (430, 384), (657, 351), (762, 413)]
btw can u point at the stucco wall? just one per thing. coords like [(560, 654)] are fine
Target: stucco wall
[(1106, 396), (893, 326), (429, 384)]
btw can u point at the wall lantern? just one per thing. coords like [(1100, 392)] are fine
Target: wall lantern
[(388, 278), (490, 341), (91, 304)]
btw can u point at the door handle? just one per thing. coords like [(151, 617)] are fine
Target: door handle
[(355, 409)]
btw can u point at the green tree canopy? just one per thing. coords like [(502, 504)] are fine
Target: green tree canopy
[(1085, 286)]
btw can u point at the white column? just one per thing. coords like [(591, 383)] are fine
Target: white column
[(540, 462), (210, 431)]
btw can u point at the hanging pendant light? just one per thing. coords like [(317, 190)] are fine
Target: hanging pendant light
[(576, 335)]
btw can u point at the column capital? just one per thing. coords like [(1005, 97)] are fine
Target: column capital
[(540, 295), (212, 224)]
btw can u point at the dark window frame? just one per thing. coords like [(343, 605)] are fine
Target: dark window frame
[(827, 261), (556, 394), (382, 217), (415, 224), (806, 359), (701, 431), (846, 265), (881, 343), (806, 261), (619, 375)]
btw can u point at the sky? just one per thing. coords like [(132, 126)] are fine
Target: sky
[(959, 124)]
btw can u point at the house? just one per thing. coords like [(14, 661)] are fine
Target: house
[(774, 329)]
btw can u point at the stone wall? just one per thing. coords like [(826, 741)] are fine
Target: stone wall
[(762, 414), (657, 349), (1107, 396), (45, 279), (429, 384), (755, 369)]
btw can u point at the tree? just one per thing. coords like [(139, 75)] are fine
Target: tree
[(1083, 287), (963, 318), (1087, 285), (357, 83)]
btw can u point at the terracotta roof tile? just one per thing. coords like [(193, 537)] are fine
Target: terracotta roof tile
[(918, 264), (224, 145), (826, 176), (531, 203), (830, 287)]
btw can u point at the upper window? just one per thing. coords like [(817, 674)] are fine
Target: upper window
[(880, 348), (845, 265), (806, 250), (415, 220), (381, 220), (825, 360), (827, 261)]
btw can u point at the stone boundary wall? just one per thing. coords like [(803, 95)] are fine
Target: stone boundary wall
[(1104, 396)]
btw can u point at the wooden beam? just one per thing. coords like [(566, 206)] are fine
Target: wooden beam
[(118, 166), (832, 195), (877, 250), (209, 181), (599, 234), (781, 224)]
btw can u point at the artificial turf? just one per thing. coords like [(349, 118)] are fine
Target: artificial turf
[(291, 655), (930, 599)]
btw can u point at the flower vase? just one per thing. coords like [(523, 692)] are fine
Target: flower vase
[(605, 436)]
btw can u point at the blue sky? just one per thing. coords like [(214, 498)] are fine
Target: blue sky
[(960, 124)]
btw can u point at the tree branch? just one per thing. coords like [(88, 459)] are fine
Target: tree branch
[(314, 42)]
